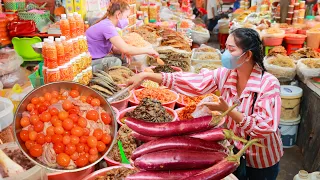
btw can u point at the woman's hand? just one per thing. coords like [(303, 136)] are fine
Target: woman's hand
[(136, 80), (150, 51), (221, 106)]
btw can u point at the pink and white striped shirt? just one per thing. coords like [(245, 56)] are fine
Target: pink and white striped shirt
[(262, 124)]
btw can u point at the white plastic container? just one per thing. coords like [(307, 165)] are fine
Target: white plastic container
[(315, 175), (290, 105), (6, 113), (302, 175), (289, 131)]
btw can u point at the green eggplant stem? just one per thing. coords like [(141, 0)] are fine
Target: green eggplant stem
[(216, 119), (236, 157), (230, 135)]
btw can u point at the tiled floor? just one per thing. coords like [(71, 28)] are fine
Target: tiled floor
[(291, 161)]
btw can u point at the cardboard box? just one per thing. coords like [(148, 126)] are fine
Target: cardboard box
[(70, 6), (80, 6)]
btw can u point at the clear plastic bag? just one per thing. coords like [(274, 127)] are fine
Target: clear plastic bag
[(18, 76), (9, 61), (307, 72), (203, 110), (282, 73), (200, 37)]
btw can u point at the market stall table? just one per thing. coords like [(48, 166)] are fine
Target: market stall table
[(309, 129)]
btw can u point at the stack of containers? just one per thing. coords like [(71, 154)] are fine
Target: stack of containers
[(302, 11), (67, 58), (290, 14), (290, 117), (133, 16)]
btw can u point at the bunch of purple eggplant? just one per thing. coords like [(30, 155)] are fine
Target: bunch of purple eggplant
[(184, 150)]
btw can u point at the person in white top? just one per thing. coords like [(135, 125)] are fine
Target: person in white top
[(212, 9)]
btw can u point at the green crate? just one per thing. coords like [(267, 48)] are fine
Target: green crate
[(36, 77)]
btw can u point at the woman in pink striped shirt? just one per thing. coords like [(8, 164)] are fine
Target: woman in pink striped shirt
[(242, 78)]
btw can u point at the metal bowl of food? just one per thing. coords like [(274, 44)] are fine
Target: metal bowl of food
[(109, 128), (37, 47)]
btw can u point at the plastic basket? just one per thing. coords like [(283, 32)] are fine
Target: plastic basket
[(14, 5), (37, 18), (36, 77)]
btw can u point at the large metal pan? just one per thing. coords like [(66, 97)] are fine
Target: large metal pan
[(84, 90)]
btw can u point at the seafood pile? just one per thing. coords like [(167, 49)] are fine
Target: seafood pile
[(120, 74), (105, 85), (117, 173), (128, 142), (134, 39), (150, 110), (277, 50), (163, 95), (305, 53), (65, 130), (163, 68), (173, 57), (169, 37), (150, 36)]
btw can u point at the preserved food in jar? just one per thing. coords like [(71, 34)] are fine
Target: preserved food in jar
[(82, 44), (82, 62), (74, 67), (65, 73), (76, 49), (52, 75), (65, 26), (50, 54), (68, 50), (85, 44), (153, 14), (60, 52), (144, 8)]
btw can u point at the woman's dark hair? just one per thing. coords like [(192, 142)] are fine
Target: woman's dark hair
[(249, 40)]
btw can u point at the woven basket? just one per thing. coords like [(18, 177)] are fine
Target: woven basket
[(14, 5), (34, 16)]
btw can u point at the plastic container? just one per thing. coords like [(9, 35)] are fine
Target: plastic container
[(52, 75), (153, 12), (73, 26), (302, 13), (313, 39), (36, 172), (302, 175), (80, 25), (76, 48), (123, 113), (6, 113), (277, 19), (300, 20), (272, 41), (296, 13), (290, 15), (133, 9), (295, 38), (315, 175), (65, 73), (60, 52), (289, 21), (65, 26), (290, 105), (69, 175), (132, 20), (122, 104), (102, 172), (50, 58), (134, 101), (291, 7), (294, 20), (144, 8), (296, 6), (302, 5), (289, 131)]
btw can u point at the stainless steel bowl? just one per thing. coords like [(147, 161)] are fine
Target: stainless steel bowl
[(84, 90), (37, 47)]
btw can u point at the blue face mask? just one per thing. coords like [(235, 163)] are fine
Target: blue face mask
[(229, 61)]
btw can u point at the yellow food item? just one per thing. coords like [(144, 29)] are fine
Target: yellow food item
[(135, 39), (312, 63), (273, 30), (282, 61)]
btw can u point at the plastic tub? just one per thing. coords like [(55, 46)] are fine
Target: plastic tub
[(290, 9), (123, 113), (313, 39), (294, 20), (291, 31), (102, 172), (290, 15), (289, 21), (117, 113), (70, 175), (272, 41), (302, 13), (296, 13), (122, 104), (302, 31), (134, 101), (302, 5), (296, 6), (289, 130), (290, 105), (6, 113), (295, 38)]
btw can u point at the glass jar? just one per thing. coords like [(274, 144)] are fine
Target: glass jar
[(52, 75)]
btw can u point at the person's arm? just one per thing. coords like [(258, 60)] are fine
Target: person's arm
[(266, 116), (125, 48), (189, 84)]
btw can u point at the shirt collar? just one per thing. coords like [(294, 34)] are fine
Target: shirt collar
[(253, 84)]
